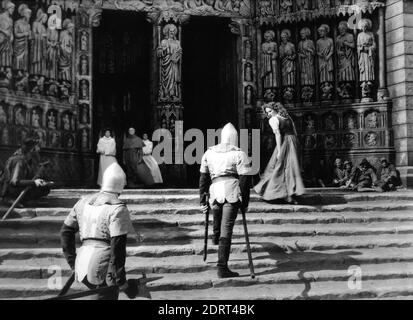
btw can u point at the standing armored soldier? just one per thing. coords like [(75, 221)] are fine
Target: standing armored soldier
[(103, 223), (225, 170)]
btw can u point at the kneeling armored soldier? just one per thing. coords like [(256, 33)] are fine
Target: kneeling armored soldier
[(225, 171), (103, 222)]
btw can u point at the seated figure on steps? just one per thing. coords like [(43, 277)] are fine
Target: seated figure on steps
[(225, 174), (20, 173)]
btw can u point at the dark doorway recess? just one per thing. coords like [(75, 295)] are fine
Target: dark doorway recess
[(121, 74), (210, 77)]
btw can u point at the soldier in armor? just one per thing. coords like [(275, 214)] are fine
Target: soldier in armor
[(103, 223), (225, 171)]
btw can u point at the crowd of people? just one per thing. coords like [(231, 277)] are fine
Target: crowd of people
[(142, 170), (365, 177)]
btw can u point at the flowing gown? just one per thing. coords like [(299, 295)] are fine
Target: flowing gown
[(107, 149), (151, 162), (282, 176)]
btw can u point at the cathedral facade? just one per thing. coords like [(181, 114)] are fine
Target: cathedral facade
[(69, 69)]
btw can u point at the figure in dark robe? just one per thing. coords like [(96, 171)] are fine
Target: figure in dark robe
[(137, 171), (20, 173)]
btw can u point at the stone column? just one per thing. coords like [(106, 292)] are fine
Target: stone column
[(382, 92), (399, 59)]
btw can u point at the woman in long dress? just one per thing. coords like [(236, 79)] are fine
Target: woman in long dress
[(137, 171), (150, 160), (282, 177), (107, 150)]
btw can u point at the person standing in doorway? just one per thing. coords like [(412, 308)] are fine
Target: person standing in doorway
[(150, 160), (136, 170), (107, 150)]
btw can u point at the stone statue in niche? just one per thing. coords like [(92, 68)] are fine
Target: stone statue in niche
[(84, 65), (306, 53), (20, 116), (266, 8), (22, 35), (84, 41), (66, 51), (366, 49), (286, 6), (288, 94), (41, 135), (345, 46), (6, 35), (70, 143), (51, 120), (350, 140), (84, 90), (37, 84), (329, 123), (52, 53), (307, 94), (329, 141), (248, 49), (309, 123), (269, 67), (326, 91), (325, 50), (5, 136), (84, 139), (344, 90), (170, 54), (323, 4), (66, 122), (269, 95), (350, 122), (36, 118), (3, 115), (84, 114), (371, 139), (248, 73), (302, 4), (372, 120), (287, 56), (39, 45), (248, 95), (54, 141)]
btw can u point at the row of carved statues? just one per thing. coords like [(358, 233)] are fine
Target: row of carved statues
[(301, 61), (37, 48)]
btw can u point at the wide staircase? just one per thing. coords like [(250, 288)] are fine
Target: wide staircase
[(334, 245)]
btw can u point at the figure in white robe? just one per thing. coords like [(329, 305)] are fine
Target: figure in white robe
[(150, 160), (107, 150)]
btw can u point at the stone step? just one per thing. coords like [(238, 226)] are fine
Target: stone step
[(280, 261), (371, 289), (68, 199), (189, 209), (178, 219), (45, 234), (306, 288), (258, 244)]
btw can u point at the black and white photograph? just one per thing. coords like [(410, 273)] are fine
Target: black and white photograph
[(206, 150)]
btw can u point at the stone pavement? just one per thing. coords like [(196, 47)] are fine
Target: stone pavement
[(309, 251)]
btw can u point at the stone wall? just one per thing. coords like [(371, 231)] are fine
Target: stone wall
[(399, 51)]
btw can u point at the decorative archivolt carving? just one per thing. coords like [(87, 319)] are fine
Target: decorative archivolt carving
[(274, 12)]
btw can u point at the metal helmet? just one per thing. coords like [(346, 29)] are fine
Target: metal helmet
[(114, 179), (229, 135)]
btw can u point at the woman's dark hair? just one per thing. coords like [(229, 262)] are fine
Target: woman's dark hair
[(107, 129)]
